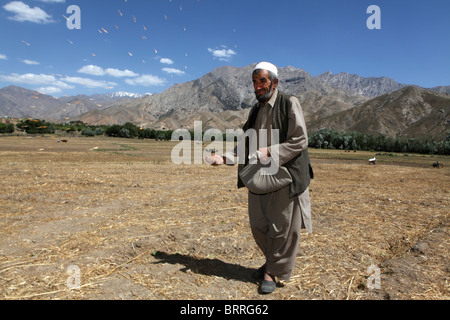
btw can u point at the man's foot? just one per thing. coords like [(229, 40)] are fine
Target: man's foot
[(268, 285)]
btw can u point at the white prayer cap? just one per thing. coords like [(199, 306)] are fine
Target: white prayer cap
[(267, 66)]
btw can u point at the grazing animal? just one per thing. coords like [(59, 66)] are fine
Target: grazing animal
[(438, 165)]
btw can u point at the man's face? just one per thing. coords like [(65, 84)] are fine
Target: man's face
[(264, 88)]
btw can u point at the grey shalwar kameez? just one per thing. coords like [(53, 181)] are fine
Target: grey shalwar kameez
[(276, 219)]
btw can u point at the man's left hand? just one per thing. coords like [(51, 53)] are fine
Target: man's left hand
[(265, 155)]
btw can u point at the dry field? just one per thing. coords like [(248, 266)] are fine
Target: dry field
[(103, 218)]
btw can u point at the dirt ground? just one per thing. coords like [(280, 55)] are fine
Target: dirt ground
[(103, 218)]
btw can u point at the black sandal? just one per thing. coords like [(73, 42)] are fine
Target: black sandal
[(267, 286)]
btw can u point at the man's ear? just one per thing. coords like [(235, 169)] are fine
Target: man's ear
[(275, 83)]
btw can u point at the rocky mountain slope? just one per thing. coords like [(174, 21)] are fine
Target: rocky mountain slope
[(22, 103), (369, 87), (410, 112)]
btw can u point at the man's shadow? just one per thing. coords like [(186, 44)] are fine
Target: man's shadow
[(208, 267)]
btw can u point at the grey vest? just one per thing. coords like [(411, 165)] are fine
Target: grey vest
[(300, 167)]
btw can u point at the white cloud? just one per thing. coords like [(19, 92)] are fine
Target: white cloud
[(223, 54), (49, 90), (35, 79), (3, 57), (99, 71), (50, 84), (121, 73), (166, 61), (89, 83), (30, 62), (92, 70), (173, 71), (23, 12), (146, 80)]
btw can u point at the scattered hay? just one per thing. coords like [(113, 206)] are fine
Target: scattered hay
[(140, 227)]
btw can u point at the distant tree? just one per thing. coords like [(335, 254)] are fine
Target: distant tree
[(36, 126), (133, 131), (6, 128), (327, 138), (124, 133), (99, 131), (113, 131), (443, 147), (88, 132)]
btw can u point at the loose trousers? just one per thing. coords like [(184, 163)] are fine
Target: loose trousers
[(276, 222)]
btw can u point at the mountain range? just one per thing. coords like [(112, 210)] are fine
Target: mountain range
[(19, 102), (222, 99)]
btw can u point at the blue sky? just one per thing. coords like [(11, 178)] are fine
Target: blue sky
[(146, 46)]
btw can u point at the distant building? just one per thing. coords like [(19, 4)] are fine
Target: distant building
[(8, 120)]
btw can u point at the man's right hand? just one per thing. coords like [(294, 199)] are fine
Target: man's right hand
[(215, 160)]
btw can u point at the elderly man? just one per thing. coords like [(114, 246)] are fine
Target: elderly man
[(277, 218)]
